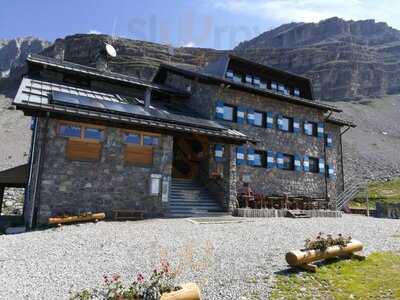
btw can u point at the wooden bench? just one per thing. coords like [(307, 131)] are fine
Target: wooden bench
[(133, 215)]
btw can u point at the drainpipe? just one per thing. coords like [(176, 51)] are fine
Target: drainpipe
[(36, 208), (31, 159), (325, 160), (341, 154)]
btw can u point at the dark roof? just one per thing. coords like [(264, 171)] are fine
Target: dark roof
[(242, 86), (341, 122), (38, 96), (220, 66), (15, 177), (93, 72)]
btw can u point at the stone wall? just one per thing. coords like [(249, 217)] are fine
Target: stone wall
[(75, 187), (273, 181)]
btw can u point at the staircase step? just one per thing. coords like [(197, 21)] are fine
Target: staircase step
[(188, 198)]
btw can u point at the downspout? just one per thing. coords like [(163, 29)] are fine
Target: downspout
[(39, 174), (341, 154), (325, 160), (31, 159)]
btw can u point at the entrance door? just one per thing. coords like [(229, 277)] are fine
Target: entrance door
[(190, 156)]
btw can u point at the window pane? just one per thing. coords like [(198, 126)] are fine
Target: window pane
[(285, 124), (228, 113), (288, 162), (258, 119), (296, 92), (229, 74), (93, 133), (70, 130), (257, 159), (314, 165), (274, 85), (132, 138), (149, 140)]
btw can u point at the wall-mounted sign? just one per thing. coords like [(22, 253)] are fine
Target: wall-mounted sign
[(155, 184)]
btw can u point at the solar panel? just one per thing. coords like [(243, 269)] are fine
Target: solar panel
[(79, 101)]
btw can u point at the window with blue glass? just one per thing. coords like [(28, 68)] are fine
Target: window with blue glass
[(150, 140), (258, 119), (93, 133), (286, 124), (259, 158), (132, 138), (70, 130), (230, 113)]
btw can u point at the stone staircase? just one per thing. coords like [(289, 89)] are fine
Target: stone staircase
[(189, 199)]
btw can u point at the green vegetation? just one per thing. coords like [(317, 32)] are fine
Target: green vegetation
[(375, 278), (388, 192)]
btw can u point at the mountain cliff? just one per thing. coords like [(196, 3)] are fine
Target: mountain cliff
[(346, 60), (13, 54)]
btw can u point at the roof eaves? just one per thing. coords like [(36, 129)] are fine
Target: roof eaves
[(341, 122)]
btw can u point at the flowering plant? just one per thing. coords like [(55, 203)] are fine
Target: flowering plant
[(322, 243), (160, 281)]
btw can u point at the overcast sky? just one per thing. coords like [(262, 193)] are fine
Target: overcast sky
[(218, 24)]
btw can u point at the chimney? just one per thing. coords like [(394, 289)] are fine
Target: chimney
[(59, 51), (147, 97)]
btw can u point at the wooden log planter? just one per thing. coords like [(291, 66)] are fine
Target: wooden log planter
[(304, 258), (74, 219), (189, 291)]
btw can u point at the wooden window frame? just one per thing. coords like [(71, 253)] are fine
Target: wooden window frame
[(92, 147), (141, 134), (141, 148), (83, 126)]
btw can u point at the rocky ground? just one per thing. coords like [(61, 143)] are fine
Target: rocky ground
[(229, 261), (14, 135), (372, 149)]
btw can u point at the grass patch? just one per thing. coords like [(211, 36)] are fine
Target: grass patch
[(375, 278), (386, 192)]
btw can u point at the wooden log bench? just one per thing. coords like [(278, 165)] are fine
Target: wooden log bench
[(304, 258), (131, 215)]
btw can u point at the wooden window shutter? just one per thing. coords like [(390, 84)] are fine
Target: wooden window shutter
[(270, 120), (83, 150), (240, 115), (240, 155), (270, 159), (250, 116), (138, 155), (219, 110), (297, 163), (250, 156)]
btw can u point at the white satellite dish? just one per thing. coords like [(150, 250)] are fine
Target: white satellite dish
[(111, 50)]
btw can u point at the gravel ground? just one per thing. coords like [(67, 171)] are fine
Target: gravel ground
[(229, 261)]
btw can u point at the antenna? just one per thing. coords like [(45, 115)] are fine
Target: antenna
[(111, 50)]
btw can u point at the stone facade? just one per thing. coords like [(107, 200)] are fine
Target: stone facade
[(75, 187), (272, 181)]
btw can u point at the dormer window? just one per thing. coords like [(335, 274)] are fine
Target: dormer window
[(229, 74), (237, 78), (249, 79)]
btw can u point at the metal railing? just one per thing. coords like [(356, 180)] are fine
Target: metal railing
[(349, 194)]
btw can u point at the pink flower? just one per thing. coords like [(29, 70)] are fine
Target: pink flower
[(116, 277), (140, 278)]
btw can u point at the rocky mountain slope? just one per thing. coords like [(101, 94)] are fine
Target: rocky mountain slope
[(13, 54), (342, 58), (345, 59)]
